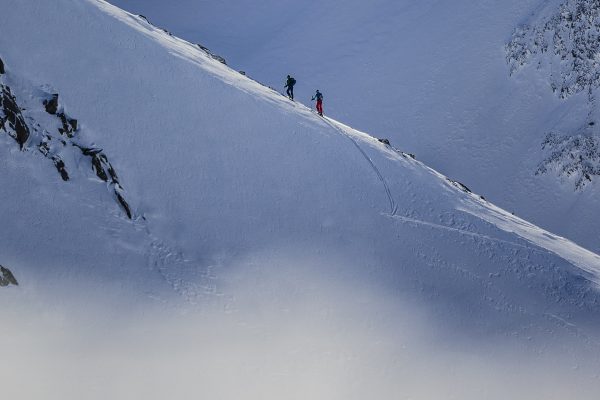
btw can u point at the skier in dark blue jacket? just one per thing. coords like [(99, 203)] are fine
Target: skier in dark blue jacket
[(289, 84)]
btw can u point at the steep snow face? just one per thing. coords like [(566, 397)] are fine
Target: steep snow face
[(265, 245), (432, 77)]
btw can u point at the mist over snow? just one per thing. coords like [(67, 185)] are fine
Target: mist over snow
[(174, 228), (324, 338)]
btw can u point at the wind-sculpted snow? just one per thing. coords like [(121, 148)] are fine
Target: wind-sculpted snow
[(273, 252)]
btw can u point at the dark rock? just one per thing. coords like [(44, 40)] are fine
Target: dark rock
[(219, 59), (214, 56), (13, 116), (52, 104), (113, 174), (243, 72), (205, 49), (7, 277), (44, 148), (384, 141), (144, 18), (99, 168), (60, 167), (2, 71), (69, 125), (105, 171), (100, 164), (459, 185), (123, 203)]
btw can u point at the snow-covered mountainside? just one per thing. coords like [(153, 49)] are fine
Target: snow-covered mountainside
[(565, 47), (433, 77), (172, 228)]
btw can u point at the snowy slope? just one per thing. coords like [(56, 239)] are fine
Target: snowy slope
[(431, 76), (269, 247)]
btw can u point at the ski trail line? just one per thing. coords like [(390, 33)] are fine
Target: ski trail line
[(464, 232), (388, 192)]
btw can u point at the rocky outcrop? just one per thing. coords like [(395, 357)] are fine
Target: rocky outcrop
[(568, 41), (575, 157), (51, 104), (564, 46), (105, 171), (55, 138), (2, 71), (213, 56), (44, 148), (11, 117), (7, 277), (463, 188)]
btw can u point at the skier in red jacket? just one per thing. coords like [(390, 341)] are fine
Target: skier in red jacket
[(319, 97)]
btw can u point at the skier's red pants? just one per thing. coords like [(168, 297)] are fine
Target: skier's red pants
[(320, 106)]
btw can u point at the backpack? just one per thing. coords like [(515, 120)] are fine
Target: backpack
[(292, 82)]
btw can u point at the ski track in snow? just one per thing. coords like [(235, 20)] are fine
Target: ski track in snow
[(388, 193), (464, 232)]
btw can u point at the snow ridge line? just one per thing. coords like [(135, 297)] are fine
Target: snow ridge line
[(388, 192)]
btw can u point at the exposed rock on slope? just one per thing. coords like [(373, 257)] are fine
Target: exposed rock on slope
[(11, 117), (7, 277), (573, 156), (569, 39), (53, 133), (565, 46)]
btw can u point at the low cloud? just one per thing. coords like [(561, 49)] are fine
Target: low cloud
[(272, 331)]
